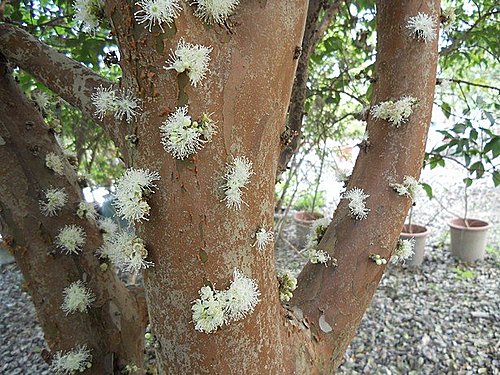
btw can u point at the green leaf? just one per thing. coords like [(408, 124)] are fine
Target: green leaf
[(428, 189), (468, 181)]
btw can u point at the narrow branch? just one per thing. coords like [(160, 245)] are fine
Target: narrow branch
[(69, 79), (440, 81)]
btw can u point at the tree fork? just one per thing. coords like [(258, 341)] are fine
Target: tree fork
[(114, 327)]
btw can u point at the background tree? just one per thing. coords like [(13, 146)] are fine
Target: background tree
[(193, 239)]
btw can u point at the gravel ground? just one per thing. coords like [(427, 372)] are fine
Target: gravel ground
[(442, 318)]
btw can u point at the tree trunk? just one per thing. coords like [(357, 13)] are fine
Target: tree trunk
[(114, 327), (194, 239)]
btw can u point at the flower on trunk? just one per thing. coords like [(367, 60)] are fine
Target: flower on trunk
[(404, 251), (448, 17), (288, 283), (104, 100), (190, 58), (409, 187), (126, 105), (76, 360), (379, 261), (154, 12), (87, 210), (41, 99), (182, 137), (53, 202), (237, 176), (214, 11), (126, 251), (77, 297), (423, 27), (55, 163), (357, 204), (316, 233), (208, 310), (131, 190), (71, 239), (89, 14), (108, 226), (395, 112), (263, 237), (241, 297)]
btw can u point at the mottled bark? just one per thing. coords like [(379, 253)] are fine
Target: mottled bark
[(405, 66), (114, 327)]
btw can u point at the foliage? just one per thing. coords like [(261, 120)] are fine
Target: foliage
[(306, 198)]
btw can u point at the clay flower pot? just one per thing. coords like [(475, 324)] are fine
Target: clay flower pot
[(303, 222), (419, 233), (468, 242)]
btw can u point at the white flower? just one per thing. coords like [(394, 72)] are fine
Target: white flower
[(422, 26), (41, 99), (158, 12), (263, 237), (130, 191), (449, 17), (54, 201), (357, 204), (107, 226), (71, 362), (214, 11), (89, 14), (236, 177), (409, 187), (126, 251), (396, 112), (182, 137), (77, 297), (190, 58), (318, 256), (127, 105), (288, 283), (71, 239), (104, 100), (55, 163), (208, 310), (404, 251), (241, 297), (87, 210), (379, 261)]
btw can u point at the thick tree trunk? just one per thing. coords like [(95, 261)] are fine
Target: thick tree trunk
[(114, 327)]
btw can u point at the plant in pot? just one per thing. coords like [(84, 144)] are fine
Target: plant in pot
[(307, 212), (474, 148)]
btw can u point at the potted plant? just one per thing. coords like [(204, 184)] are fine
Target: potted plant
[(306, 214), (419, 234)]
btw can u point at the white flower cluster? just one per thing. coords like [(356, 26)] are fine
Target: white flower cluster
[(87, 210), (396, 112), (357, 204), (190, 58), (449, 17), (404, 251), (214, 11), (89, 14), (288, 283), (263, 237), (423, 27), (55, 163), (379, 261), (108, 226), (77, 297), (237, 175), (217, 307), (131, 189), (54, 201), (71, 362), (41, 99), (409, 187), (158, 12), (123, 104), (318, 230), (182, 137), (126, 251), (71, 239)]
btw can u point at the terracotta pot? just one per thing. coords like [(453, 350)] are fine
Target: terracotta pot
[(303, 222), (468, 242), (419, 233)]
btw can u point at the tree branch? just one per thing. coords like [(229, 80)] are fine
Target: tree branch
[(315, 29), (69, 79)]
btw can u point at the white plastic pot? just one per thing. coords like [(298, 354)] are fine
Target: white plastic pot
[(468, 242), (419, 233)]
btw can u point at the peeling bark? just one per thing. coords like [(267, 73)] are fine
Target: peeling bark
[(114, 327)]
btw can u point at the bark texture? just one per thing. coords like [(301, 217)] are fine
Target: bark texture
[(340, 295), (114, 327)]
